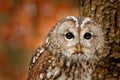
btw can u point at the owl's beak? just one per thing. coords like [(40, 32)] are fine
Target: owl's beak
[(78, 47)]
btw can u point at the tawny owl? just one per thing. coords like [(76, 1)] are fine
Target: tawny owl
[(70, 51)]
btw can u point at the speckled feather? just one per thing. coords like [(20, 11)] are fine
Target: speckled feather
[(48, 67)]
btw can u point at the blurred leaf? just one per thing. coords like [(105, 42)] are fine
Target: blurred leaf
[(16, 1), (3, 18)]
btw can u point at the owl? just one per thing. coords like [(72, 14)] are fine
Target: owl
[(70, 51)]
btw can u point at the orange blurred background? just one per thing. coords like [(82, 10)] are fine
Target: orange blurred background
[(24, 25)]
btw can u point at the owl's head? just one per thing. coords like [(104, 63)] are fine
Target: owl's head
[(76, 38)]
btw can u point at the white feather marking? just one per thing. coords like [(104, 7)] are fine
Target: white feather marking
[(34, 59), (30, 66), (41, 76), (49, 61), (75, 19), (47, 40), (87, 19), (49, 73), (41, 50), (37, 55), (56, 71)]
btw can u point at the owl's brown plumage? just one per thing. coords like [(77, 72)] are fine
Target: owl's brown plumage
[(69, 52)]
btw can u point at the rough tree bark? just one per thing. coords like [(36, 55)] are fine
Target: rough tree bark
[(107, 13)]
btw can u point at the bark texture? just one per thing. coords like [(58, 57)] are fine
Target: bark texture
[(107, 13)]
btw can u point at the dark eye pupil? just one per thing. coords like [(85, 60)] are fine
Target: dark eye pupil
[(69, 35), (87, 35)]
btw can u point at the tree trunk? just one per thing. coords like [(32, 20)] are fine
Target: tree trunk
[(106, 13)]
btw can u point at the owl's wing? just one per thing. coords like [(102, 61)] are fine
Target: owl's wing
[(39, 64)]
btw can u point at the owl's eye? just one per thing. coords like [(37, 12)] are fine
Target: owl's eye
[(87, 35), (69, 35)]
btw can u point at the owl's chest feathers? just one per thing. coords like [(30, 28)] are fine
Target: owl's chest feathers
[(65, 69)]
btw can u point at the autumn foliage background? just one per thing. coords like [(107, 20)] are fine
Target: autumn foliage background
[(24, 25)]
